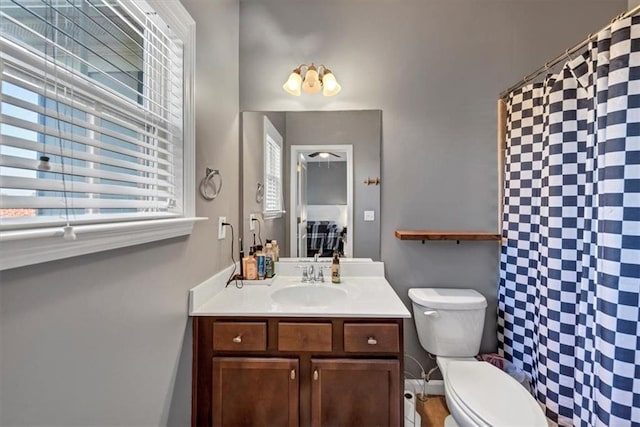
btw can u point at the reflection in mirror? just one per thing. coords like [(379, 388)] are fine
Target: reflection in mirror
[(321, 180), (317, 200)]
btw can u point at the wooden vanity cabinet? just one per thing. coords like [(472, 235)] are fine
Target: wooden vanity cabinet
[(255, 391), (355, 392), (297, 372)]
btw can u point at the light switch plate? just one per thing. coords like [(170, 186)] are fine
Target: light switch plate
[(369, 215), (252, 223), (222, 230)]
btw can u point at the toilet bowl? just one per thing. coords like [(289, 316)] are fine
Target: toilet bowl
[(449, 324), (480, 394)]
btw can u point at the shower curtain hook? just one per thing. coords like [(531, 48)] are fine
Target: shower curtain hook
[(568, 53)]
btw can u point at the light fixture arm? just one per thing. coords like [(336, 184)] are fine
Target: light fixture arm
[(324, 69), (321, 69)]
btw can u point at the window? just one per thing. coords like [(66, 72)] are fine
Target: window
[(272, 203), (103, 90)]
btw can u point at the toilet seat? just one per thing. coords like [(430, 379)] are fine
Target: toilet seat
[(489, 396)]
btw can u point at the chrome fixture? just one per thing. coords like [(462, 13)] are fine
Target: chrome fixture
[(313, 273), (208, 181)]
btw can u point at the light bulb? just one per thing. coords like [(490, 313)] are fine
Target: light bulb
[(311, 82), (324, 155), (330, 84), (294, 82)]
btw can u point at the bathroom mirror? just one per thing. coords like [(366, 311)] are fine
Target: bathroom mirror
[(330, 177)]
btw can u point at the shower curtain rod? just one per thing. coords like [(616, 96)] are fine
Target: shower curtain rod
[(567, 53)]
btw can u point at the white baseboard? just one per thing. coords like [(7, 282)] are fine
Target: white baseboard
[(434, 387)]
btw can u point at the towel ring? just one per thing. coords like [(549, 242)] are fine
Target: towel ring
[(208, 181), (259, 193)]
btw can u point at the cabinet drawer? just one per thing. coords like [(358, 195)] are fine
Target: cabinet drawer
[(304, 336), (371, 338), (245, 336)]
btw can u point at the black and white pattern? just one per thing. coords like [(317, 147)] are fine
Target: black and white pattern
[(324, 237), (569, 294), (316, 232)]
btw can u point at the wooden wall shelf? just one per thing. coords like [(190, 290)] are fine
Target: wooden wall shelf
[(446, 235)]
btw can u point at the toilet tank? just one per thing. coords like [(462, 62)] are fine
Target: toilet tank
[(449, 321)]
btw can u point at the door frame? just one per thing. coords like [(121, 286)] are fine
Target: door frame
[(303, 162), (293, 223)]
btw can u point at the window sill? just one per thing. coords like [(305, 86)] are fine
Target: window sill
[(27, 247), (272, 215)]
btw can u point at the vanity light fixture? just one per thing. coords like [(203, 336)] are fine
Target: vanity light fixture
[(316, 79)]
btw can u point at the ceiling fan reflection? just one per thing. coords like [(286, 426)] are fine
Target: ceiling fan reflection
[(323, 154)]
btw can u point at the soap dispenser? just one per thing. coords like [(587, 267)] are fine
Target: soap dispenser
[(335, 268)]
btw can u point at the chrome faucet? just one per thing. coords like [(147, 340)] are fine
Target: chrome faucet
[(319, 276), (313, 273)]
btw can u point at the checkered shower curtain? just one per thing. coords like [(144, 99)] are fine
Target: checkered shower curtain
[(568, 300)]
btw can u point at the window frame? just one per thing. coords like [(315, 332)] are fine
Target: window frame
[(270, 131), (34, 245)]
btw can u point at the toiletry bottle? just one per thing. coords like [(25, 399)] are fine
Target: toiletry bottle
[(335, 269), (260, 258), (251, 268), (243, 267), (276, 254), (276, 251), (268, 261)]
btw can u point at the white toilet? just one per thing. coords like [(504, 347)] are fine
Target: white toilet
[(449, 324)]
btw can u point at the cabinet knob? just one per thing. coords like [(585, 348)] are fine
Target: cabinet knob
[(237, 339), (293, 374), (372, 341), (315, 375)]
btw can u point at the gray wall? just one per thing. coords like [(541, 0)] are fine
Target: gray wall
[(253, 172), (362, 129), (327, 183), (435, 69), (105, 339)]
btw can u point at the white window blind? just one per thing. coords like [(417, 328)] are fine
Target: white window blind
[(272, 203), (97, 87)]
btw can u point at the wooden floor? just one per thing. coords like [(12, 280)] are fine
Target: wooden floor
[(433, 410)]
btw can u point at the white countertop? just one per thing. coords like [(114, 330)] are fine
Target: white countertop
[(364, 296)]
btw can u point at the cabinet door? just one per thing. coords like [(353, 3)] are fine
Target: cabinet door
[(355, 392), (251, 391)]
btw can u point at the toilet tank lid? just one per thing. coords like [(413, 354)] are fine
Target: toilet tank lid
[(446, 298)]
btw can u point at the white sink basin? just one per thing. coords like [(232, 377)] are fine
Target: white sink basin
[(309, 295)]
